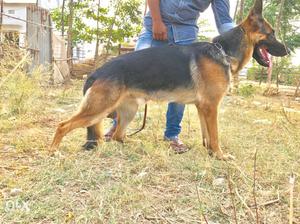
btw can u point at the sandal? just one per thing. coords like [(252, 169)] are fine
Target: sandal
[(177, 145), (110, 133)]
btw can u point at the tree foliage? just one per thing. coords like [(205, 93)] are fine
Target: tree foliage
[(120, 20)]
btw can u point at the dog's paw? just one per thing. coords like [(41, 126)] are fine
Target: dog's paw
[(118, 139), (210, 152), (51, 151), (56, 154), (225, 157), (90, 145)]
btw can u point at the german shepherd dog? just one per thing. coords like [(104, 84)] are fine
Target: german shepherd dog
[(194, 74)]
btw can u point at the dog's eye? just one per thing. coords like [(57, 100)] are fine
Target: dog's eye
[(271, 35)]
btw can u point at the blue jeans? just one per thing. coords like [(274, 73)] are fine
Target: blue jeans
[(175, 110)]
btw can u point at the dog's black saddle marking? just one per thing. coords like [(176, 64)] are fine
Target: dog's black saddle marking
[(157, 68)]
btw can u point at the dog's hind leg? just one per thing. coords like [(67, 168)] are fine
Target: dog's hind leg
[(94, 136), (235, 82), (125, 112), (76, 121), (100, 100)]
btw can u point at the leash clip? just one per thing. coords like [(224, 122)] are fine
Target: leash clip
[(219, 46)]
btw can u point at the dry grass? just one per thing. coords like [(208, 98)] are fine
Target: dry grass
[(143, 181)]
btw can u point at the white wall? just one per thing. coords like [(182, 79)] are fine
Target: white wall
[(10, 24), (295, 57), (49, 4)]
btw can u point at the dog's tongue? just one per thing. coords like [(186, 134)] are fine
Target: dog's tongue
[(265, 55)]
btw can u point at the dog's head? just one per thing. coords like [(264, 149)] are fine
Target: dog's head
[(263, 36)]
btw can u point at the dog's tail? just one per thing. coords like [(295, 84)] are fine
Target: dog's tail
[(88, 83)]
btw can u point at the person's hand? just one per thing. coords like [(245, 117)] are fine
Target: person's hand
[(159, 31)]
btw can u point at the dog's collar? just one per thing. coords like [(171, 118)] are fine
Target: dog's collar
[(220, 48), (242, 29)]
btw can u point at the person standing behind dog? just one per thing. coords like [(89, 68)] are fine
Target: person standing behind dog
[(171, 22)]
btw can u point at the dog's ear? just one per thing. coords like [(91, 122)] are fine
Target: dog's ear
[(257, 7), (256, 10), (255, 15)]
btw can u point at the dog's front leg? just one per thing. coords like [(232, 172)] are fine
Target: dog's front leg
[(204, 131), (210, 115), (235, 82)]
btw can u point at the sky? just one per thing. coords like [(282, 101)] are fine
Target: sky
[(209, 17)]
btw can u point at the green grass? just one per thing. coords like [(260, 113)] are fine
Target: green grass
[(143, 181)]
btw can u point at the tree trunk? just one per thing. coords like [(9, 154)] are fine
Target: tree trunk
[(269, 72), (277, 31), (145, 10), (1, 19), (97, 39), (1, 16), (69, 40), (297, 89), (261, 75), (241, 12), (62, 19), (236, 9), (108, 44), (277, 79), (278, 20)]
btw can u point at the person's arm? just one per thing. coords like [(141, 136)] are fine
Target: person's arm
[(159, 29), (221, 9)]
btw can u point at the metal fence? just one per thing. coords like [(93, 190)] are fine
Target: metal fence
[(38, 37), (28, 26)]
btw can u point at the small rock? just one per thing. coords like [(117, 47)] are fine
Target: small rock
[(70, 106), (256, 103), (7, 148), (142, 174), (262, 121), (12, 118), (212, 222), (59, 110), (291, 110), (15, 191), (220, 181)]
